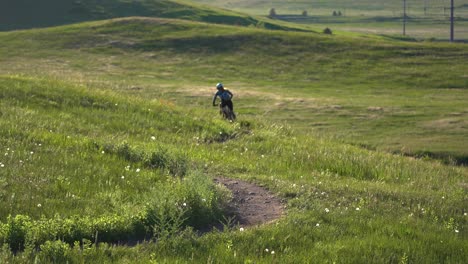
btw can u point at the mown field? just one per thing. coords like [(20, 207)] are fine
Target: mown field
[(426, 19), (108, 138)]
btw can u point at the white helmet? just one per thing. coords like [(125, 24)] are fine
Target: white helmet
[(219, 86)]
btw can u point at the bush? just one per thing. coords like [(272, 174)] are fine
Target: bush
[(15, 231), (327, 31), (272, 13), (304, 13), (55, 252)]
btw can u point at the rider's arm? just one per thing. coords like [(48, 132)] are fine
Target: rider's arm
[(214, 99), (229, 92)]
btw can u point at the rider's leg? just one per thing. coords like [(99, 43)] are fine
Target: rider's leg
[(230, 105)]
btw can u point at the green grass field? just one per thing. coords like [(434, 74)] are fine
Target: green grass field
[(427, 19), (108, 136)]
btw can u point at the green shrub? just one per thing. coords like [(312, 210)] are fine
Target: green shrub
[(55, 252), (16, 230), (327, 31)]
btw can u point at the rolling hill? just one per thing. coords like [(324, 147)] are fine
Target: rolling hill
[(108, 138), (32, 14)]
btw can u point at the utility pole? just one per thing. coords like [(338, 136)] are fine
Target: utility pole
[(404, 17), (451, 20), (425, 7)]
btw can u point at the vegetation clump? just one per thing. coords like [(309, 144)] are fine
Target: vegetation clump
[(272, 13)]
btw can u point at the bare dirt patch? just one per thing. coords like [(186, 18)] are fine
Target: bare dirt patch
[(251, 204)]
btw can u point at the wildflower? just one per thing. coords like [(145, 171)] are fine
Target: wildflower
[(32, 152), (127, 168), (184, 204), (241, 229), (272, 252), (465, 214), (2, 165), (137, 170), (39, 205), (123, 177), (103, 152), (317, 225), (456, 231), (327, 210), (263, 156), (153, 138), (357, 209), (203, 200), (39, 144), (267, 250)]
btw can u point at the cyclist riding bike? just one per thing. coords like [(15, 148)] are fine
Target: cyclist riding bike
[(225, 96)]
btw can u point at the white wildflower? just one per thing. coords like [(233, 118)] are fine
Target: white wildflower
[(153, 138), (184, 204), (357, 209), (272, 252), (39, 205), (267, 250), (137, 170), (123, 177), (103, 152), (327, 210), (456, 231), (241, 229), (317, 225)]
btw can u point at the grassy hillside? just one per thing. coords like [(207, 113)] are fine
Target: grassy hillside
[(376, 92), (33, 14), (84, 166), (108, 135)]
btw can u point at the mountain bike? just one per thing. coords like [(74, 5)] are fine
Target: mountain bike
[(227, 113)]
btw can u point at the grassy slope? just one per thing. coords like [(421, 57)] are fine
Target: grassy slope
[(344, 203), (30, 13), (376, 92)]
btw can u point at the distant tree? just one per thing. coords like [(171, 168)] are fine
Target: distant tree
[(339, 13), (272, 12), (327, 31), (304, 13), (334, 13)]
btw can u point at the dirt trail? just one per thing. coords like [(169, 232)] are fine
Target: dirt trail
[(251, 204)]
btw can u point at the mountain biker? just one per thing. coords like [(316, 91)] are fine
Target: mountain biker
[(225, 96)]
